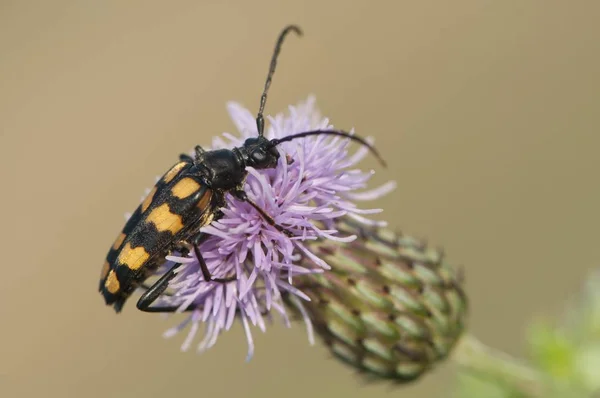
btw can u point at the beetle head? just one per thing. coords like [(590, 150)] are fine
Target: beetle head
[(260, 153)]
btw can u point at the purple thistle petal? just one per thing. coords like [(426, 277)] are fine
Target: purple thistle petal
[(283, 313), (176, 329), (190, 337), (291, 289), (318, 186), (243, 120), (248, 337), (309, 326), (204, 343)]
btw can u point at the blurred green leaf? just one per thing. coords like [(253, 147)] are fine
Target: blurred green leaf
[(471, 385), (587, 366), (569, 350), (552, 351)]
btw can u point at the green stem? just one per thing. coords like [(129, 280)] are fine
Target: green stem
[(478, 358)]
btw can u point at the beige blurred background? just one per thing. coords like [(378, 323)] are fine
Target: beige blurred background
[(486, 110)]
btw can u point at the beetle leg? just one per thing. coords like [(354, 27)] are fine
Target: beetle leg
[(199, 153), (168, 309), (241, 195), (205, 271), (192, 307), (156, 290)]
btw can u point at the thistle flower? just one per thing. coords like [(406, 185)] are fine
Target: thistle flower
[(313, 183), (390, 306)]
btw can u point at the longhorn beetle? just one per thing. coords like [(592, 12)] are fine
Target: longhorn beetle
[(187, 197)]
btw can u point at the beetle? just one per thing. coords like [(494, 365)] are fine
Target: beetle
[(187, 197)]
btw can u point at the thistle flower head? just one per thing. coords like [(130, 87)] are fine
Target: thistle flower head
[(312, 186), (391, 306)]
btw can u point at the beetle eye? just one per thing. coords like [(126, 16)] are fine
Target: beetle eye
[(273, 151), (259, 155)]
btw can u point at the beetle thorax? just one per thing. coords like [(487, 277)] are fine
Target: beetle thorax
[(224, 168)]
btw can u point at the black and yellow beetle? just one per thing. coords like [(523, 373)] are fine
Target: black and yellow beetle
[(187, 197)]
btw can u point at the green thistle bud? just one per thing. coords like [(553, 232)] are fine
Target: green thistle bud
[(390, 306)]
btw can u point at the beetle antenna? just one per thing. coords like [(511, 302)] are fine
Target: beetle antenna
[(260, 122), (277, 141)]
